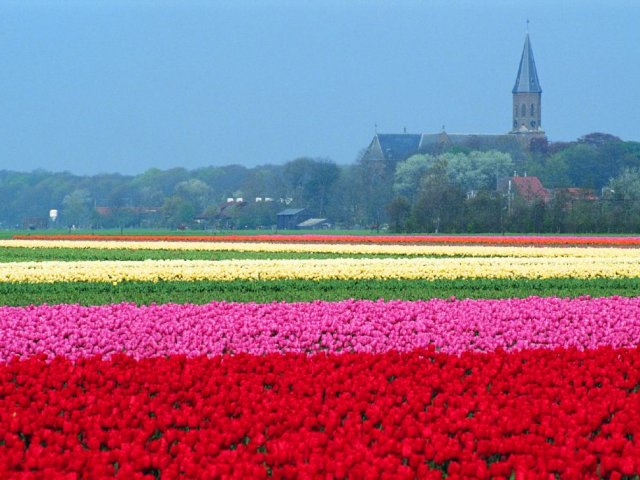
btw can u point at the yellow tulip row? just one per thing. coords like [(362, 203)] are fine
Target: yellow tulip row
[(341, 268), (344, 249)]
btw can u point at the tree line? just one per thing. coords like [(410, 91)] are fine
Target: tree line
[(230, 196), (593, 186), (458, 190)]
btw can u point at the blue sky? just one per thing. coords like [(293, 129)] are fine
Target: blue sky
[(104, 87)]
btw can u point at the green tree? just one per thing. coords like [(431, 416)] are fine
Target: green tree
[(309, 182), (440, 203), (77, 208), (586, 168), (398, 211), (264, 181), (409, 173), (484, 212), (595, 158), (178, 212), (478, 170), (195, 192), (224, 181), (552, 171), (344, 207), (621, 201)]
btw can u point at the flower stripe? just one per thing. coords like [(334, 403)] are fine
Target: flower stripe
[(344, 268), (453, 327), (529, 414), (374, 239), (336, 248)]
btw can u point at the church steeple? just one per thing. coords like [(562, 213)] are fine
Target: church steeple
[(527, 79), (527, 94)]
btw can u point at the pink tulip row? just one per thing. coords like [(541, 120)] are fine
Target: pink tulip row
[(451, 326)]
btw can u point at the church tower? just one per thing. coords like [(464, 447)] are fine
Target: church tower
[(527, 95)]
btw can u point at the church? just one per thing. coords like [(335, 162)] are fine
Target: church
[(526, 127)]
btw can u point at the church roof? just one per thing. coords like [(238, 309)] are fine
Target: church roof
[(399, 145), (472, 141), (527, 79)]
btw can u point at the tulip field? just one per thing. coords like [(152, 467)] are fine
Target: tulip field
[(318, 356)]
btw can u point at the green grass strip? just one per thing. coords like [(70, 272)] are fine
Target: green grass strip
[(143, 293), (20, 254)]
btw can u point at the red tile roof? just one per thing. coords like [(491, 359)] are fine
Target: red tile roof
[(580, 193), (531, 189)]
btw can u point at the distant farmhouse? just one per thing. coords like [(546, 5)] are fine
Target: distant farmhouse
[(526, 127), (299, 219)]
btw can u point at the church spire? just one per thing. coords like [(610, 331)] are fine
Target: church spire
[(527, 95), (527, 79)]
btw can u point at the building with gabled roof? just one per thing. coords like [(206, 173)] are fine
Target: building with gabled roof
[(530, 189), (526, 126), (289, 218), (394, 146)]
